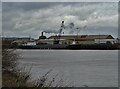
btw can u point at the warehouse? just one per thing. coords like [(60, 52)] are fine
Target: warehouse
[(85, 39)]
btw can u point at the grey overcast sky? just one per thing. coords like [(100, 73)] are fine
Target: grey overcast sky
[(60, 0), (30, 18)]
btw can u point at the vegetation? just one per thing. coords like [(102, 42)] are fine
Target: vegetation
[(13, 76)]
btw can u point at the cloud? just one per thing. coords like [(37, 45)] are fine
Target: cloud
[(32, 18)]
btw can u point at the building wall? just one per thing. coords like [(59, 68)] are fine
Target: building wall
[(86, 42), (104, 40), (45, 41), (78, 42), (29, 43)]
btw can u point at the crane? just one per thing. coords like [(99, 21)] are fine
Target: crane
[(57, 39)]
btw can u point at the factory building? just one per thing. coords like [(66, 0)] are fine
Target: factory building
[(86, 39), (80, 39), (66, 39)]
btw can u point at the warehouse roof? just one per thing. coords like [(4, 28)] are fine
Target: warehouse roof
[(83, 37)]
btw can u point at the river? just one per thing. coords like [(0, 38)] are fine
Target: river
[(94, 68)]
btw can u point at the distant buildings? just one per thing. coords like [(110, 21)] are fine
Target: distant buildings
[(24, 41), (60, 39), (80, 39), (15, 41), (63, 40)]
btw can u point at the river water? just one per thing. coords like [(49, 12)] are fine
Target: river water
[(94, 68)]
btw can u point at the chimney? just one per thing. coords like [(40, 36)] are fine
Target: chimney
[(41, 33)]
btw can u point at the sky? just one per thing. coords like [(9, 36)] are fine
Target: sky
[(23, 19), (60, 0)]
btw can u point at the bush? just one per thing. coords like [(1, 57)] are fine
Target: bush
[(13, 76)]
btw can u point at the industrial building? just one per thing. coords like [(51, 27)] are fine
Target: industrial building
[(65, 39), (74, 39), (79, 39)]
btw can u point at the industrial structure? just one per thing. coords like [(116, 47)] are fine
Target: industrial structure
[(62, 41), (74, 39)]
